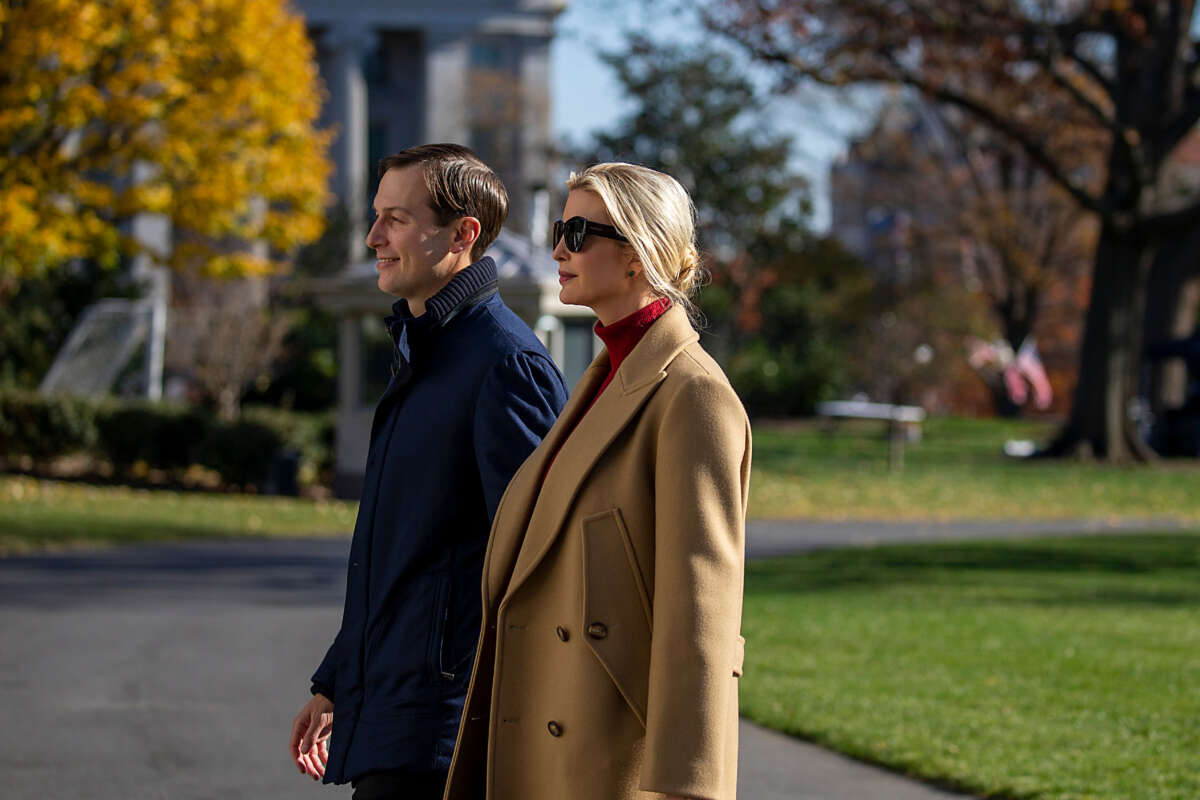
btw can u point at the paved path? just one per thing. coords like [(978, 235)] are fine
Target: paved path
[(780, 537), (174, 671)]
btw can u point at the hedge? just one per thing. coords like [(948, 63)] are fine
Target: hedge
[(166, 437)]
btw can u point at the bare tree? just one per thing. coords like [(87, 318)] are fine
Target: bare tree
[(992, 227), (1039, 74), (224, 334)]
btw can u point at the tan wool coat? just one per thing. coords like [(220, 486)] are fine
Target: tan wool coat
[(610, 650)]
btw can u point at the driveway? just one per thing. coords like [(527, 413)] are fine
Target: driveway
[(174, 671)]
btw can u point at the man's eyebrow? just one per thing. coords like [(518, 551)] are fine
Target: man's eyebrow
[(401, 209)]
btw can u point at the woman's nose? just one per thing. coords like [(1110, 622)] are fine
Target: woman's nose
[(560, 252)]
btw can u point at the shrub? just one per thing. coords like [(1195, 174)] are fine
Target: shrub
[(311, 435), (163, 436), (242, 452), (44, 427), (166, 437), (783, 383)]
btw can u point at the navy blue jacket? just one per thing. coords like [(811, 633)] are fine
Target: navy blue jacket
[(473, 392)]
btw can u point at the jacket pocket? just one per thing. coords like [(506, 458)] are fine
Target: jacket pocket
[(616, 607), (438, 660)]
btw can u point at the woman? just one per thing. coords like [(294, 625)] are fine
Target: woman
[(612, 588)]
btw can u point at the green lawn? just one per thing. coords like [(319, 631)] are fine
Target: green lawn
[(957, 471), (41, 514), (1066, 668)]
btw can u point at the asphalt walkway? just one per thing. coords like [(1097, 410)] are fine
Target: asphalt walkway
[(173, 671)]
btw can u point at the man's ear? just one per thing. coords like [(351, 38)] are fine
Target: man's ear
[(466, 231)]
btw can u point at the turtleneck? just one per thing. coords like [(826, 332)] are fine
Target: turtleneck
[(412, 334), (619, 340), (623, 335)]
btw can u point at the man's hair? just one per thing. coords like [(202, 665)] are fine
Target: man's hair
[(460, 185)]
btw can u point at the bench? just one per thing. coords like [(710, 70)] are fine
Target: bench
[(904, 422)]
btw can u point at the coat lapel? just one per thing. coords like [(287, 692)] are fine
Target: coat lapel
[(580, 444), (512, 516)]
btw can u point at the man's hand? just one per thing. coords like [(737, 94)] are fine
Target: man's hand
[(309, 746)]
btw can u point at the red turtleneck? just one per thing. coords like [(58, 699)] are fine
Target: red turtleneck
[(619, 339), (623, 335)]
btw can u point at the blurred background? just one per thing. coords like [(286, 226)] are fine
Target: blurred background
[(946, 219), (954, 258)]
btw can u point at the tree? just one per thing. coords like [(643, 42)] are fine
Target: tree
[(699, 118), (999, 234), (41, 312), (202, 112), (225, 334), (1037, 73)]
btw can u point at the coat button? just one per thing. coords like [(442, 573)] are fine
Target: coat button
[(554, 728), (563, 635), (597, 630)]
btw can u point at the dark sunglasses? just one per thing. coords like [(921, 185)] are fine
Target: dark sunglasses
[(576, 229)]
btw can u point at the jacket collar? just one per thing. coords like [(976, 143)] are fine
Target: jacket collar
[(578, 439), (463, 290), (469, 286)]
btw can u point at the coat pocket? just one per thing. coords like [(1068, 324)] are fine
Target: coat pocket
[(616, 607), (438, 660)]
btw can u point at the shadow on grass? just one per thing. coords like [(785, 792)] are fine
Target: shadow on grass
[(1066, 570)]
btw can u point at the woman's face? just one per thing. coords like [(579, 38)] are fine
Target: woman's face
[(598, 275)]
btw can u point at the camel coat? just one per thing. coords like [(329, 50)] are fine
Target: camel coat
[(612, 593)]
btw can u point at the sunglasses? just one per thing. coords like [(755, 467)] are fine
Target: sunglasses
[(576, 229)]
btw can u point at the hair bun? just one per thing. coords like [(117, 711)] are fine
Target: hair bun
[(689, 271)]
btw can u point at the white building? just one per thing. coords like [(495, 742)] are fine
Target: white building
[(407, 72)]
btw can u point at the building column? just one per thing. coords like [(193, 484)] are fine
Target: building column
[(153, 232), (446, 64), (348, 43)]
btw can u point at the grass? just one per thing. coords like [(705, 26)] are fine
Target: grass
[(957, 471), (39, 514), (1063, 669)]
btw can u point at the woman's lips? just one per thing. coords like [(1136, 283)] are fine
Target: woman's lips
[(563, 277)]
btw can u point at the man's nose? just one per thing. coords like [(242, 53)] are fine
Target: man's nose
[(373, 241)]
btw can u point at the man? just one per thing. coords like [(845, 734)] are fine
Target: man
[(472, 393)]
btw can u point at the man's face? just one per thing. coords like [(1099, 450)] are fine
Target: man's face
[(412, 251)]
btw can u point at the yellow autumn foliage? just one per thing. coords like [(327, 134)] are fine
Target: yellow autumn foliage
[(214, 102)]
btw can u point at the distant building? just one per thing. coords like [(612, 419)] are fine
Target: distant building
[(869, 222), (406, 72)]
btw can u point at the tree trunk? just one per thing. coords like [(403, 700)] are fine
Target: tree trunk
[(229, 405), (1103, 421), (1172, 302), (1002, 404)]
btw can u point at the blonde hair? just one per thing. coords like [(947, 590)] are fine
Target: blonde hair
[(656, 215)]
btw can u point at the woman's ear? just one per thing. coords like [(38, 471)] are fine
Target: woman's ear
[(633, 264), (466, 231)]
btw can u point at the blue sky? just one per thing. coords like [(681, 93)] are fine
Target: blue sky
[(586, 97)]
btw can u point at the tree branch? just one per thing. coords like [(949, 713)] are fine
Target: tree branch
[(1092, 71), (1033, 149)]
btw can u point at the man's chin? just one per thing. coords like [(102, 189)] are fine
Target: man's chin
[(388, 285)]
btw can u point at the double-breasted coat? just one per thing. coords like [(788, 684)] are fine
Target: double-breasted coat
[(610, 652)]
